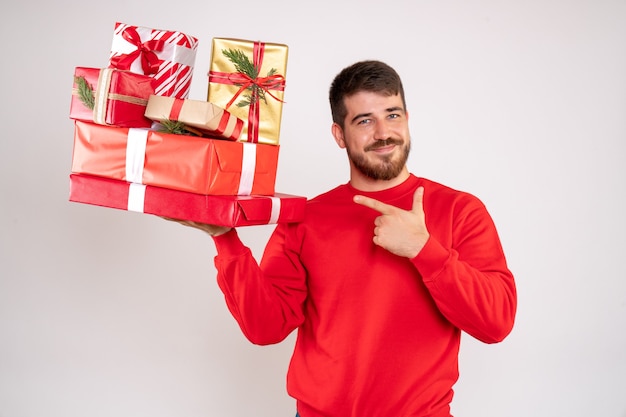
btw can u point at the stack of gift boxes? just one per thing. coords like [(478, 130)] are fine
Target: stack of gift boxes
[(140, 144)]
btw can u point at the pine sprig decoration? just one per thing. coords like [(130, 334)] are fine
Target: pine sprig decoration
[(175, 127), (243, 65), (85, 92), (241, 62)]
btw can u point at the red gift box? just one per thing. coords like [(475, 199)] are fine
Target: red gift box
[(167, 56), (119, 97), (185, 163), (211, 209)]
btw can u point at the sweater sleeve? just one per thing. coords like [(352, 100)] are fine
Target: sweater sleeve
[(470, 281), (266, 299)]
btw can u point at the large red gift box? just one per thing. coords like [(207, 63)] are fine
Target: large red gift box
[(167, 56), (211, 209), (186, 163), (119, 97)]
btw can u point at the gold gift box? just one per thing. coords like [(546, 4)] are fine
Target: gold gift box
[(227, 86)]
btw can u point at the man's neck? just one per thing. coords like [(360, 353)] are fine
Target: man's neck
[(364, 183)]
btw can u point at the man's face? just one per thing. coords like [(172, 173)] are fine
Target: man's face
[(375, 134)]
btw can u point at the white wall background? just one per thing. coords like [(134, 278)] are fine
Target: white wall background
[(109, 313)]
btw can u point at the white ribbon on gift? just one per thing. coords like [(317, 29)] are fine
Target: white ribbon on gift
[(171, 52), (102, 95), (136, 143), (136, 197), (248, 167), (275, 215)]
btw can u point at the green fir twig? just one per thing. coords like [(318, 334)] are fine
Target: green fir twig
[(175, 127), (241, 61), (243, 65), (85, 92)]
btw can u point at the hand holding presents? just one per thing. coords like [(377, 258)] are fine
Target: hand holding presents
[(211, 229)]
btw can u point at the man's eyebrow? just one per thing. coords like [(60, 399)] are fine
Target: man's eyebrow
[(388, 110), (360, 116)]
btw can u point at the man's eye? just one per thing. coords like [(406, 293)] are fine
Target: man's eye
[(394, 116), (364, 121)]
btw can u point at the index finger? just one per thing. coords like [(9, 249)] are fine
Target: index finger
[(372, 203)]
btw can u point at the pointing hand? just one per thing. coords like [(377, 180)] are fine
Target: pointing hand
[(401, 232)]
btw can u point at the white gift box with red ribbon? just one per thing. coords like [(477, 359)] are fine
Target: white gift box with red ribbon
[(167, 56)]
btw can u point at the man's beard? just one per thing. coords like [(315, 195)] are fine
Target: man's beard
[(386, 169)]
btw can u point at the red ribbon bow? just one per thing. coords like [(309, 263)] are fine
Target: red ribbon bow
[(272, 82), (150, 62)]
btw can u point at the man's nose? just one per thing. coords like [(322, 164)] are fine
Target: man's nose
[(382, 130)]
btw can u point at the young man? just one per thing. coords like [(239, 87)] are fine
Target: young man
[(381, 276)]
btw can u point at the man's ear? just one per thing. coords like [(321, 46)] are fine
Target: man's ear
[(338, 135)]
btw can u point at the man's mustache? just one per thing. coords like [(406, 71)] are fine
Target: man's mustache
[(383, 143)]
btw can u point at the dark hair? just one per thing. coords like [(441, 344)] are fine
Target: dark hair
[(374, 76)]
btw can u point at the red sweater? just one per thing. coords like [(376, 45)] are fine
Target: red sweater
[(378, 335)]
